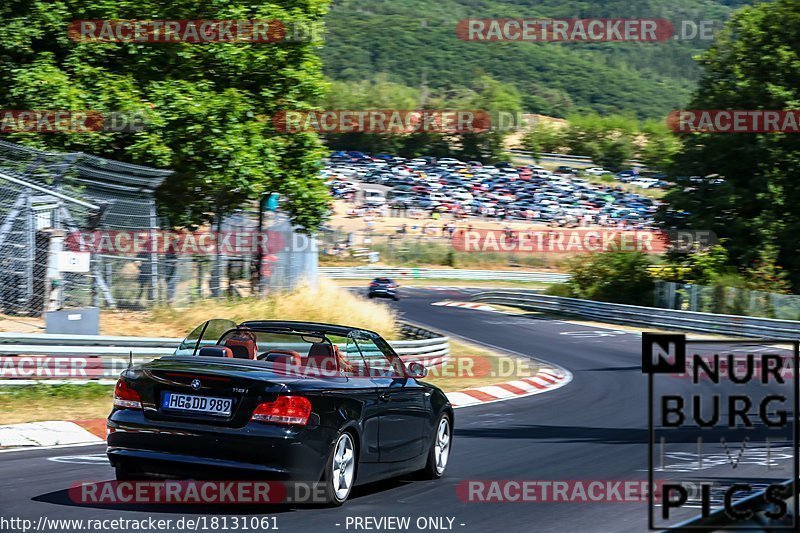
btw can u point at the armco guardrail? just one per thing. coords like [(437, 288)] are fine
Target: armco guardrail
[(743, 326), (81, 358), (565, 158), (441, 273)]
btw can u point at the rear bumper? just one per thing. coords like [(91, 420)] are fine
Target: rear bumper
[(383, 293), (255, 451)]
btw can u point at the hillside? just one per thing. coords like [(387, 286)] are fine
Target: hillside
[(414, 42)]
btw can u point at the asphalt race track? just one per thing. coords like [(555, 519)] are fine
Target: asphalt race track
[(595, 428)]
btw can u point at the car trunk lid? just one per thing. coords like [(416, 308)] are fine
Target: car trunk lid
[(206, 390)]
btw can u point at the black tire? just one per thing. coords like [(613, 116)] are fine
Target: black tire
[(396, 298), (332, 499), (370, 296), (432, 470)]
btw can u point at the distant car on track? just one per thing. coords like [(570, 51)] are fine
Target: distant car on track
[(290, 401), (383, 288)]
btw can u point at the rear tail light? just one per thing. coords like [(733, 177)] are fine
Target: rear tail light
[(284, 410), (125, 397)]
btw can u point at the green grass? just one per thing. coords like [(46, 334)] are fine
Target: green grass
[(35, 403), (419, 253), (54, 392)]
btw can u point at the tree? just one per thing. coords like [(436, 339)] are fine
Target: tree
[(766, 275), (544, 101), (208, 106), (699, 266), (660, 145), (754, 64), (376, 93), (499, 100), (607, 140), (486, 95), (613, 153), (544, 138), (621, 277)]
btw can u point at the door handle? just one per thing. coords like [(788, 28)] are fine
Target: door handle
[(385, 397)]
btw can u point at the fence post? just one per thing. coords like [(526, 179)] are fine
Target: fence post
[(153, 296)]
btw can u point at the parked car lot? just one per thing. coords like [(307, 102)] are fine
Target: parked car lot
[(502, 191)]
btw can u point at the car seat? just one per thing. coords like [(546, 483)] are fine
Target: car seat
[(215, 351), (322, 357), (243, 344), (285, 357)]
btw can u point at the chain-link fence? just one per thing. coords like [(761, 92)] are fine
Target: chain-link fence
[(47, 198), (238, 264), (78, 230)]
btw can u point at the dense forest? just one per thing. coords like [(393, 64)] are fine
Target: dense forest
[(414, 43)]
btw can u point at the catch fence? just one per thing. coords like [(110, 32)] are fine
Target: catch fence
[(78, 230)]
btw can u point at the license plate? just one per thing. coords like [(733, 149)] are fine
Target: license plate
[(197, 404)]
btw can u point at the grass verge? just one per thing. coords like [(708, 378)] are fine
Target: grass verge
[(37, 403)]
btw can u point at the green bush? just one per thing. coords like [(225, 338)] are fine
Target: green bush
[(560, 289), (620, 277)]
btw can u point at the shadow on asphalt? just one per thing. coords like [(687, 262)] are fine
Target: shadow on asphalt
[(567, 434), (611, 369), (62, 497)]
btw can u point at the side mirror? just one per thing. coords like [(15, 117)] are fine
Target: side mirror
[(417, 370)]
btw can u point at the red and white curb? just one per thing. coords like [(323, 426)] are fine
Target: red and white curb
[(466, 305), (547, 379)]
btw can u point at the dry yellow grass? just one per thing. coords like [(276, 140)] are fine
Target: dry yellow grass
[(324, 302)]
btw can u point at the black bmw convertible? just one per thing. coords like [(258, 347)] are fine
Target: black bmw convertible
[(289, 401)]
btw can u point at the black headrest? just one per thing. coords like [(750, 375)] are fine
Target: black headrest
[(215, 351), (284, 357)]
